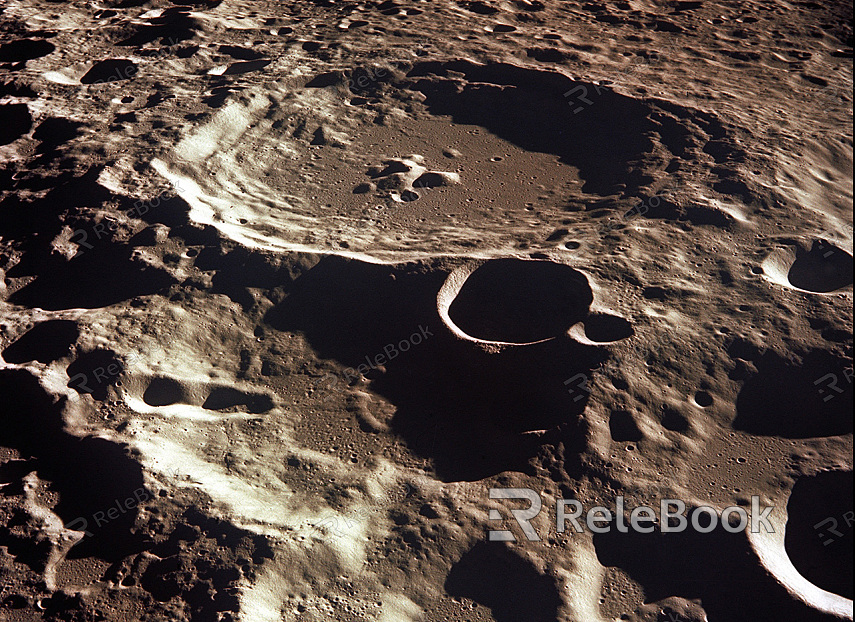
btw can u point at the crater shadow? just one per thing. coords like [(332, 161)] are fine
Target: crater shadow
[(464, 408), (605, 135), (622, 427), (222, 398), (819, 530), (163, 391), (493, 575), (518, 301), (174, 25), (824, 268), (715, 568), (91, 474), (807, 397), (101, 276), (45, 342), (92, 372), (25, 49), (604, 328), (109, 70), (18, 122)]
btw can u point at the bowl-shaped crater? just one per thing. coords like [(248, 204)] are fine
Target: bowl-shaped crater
[(819, 530), (516, 301)]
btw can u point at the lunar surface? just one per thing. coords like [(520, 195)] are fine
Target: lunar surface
[(348, 310)]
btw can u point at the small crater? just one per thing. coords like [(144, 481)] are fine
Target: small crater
[(530, 5), (481, 8), (110, 70), (239, 52), (392, 167), (604, 328), (825, 268), (708, 216), (815, 79), (557, 235), (547, 55), (674, 420), (324, 80), (703, 399), (434, 179), (655, 293), (623, 427), (744, 349), (236, 69), (163, 392), (222, 398)]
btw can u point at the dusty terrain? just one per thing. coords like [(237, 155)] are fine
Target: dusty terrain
[(288, 287)]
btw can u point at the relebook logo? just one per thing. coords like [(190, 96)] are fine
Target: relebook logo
[(642, 519)]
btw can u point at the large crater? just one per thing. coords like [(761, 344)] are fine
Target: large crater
[(483, 156)]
